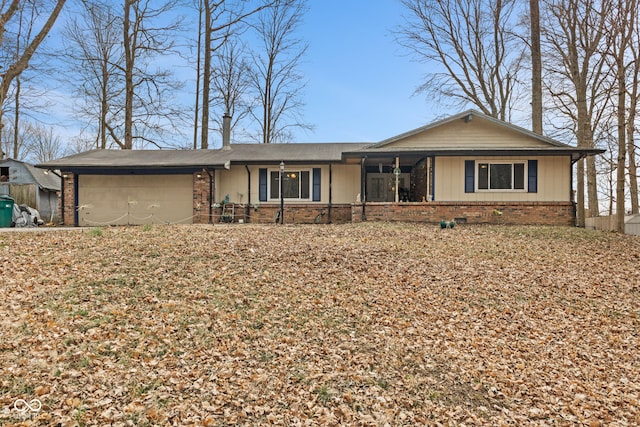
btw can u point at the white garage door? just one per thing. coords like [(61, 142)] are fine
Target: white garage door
[(135, 199)]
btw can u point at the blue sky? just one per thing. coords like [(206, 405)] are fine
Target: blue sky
[(360, 82)]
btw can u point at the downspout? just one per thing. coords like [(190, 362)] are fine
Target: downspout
[(76, 178), (210, 196), (248, 209), (433, 178), (330, 193), (62, 200)]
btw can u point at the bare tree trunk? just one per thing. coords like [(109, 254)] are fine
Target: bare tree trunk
[(16, 121), (536, 68), (574, 33), (580, 211), (634, 99), (631, 155), (104, 109), (198, 75), (206, 77), (129, 57), (622, 146), (5, 17)]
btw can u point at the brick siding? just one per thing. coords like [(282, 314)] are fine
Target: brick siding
[(201, 200), (293, 214), (534, 213)]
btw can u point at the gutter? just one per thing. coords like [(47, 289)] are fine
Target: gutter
[(210, 196)]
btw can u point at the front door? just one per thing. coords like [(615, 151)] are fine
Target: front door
[(381, 187)]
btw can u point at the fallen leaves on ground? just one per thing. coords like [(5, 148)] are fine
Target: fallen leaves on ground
[(359, 324)]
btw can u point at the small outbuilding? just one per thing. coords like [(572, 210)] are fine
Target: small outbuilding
[(31, 186)]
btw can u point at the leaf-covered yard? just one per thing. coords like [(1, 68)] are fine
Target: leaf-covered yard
[(366, 324)]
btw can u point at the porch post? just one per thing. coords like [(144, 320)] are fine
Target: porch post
[(363, 187), (330, 193), (396, 172)]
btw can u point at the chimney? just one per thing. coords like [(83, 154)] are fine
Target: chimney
[(226, 132)]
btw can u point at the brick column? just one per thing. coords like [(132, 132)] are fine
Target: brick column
[(202, 183), (67, 211)]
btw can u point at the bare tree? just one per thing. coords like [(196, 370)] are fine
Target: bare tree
[(147, 107), (231, 83), (578, 79), (220, 18), (8, 138), (94, 49), (275, 76), (475, 55), (41, 144), (20, 62), (619, 41), (634, 104)]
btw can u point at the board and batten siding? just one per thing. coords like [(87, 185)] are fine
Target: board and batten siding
[(234, 182), (553, 180), (474, 134)]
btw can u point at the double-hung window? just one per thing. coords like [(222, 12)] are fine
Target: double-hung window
[(501, 176), (295, 184)]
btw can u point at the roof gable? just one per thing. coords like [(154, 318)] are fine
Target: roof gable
[(470, 129)]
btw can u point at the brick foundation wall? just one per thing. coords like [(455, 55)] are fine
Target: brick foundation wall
[(293, 214), (533, 213)]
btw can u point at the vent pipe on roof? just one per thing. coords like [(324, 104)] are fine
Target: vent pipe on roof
[(226, 131)]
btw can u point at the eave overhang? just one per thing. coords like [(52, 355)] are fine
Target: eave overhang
[(378, 153)]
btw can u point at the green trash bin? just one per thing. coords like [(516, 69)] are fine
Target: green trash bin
[(6, 211)]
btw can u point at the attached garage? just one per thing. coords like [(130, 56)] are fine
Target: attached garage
[(134, 199)]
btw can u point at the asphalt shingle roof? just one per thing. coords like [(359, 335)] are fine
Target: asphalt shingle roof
[(239, 153)]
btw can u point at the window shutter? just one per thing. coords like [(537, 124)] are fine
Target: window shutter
[(533, 176), (469, 176), (262, 185), (317, 174)]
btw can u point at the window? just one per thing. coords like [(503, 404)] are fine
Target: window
[(501, 176), (4, 174), (295, 185)]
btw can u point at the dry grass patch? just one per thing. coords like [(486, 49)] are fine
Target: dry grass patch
[(366, 324)]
